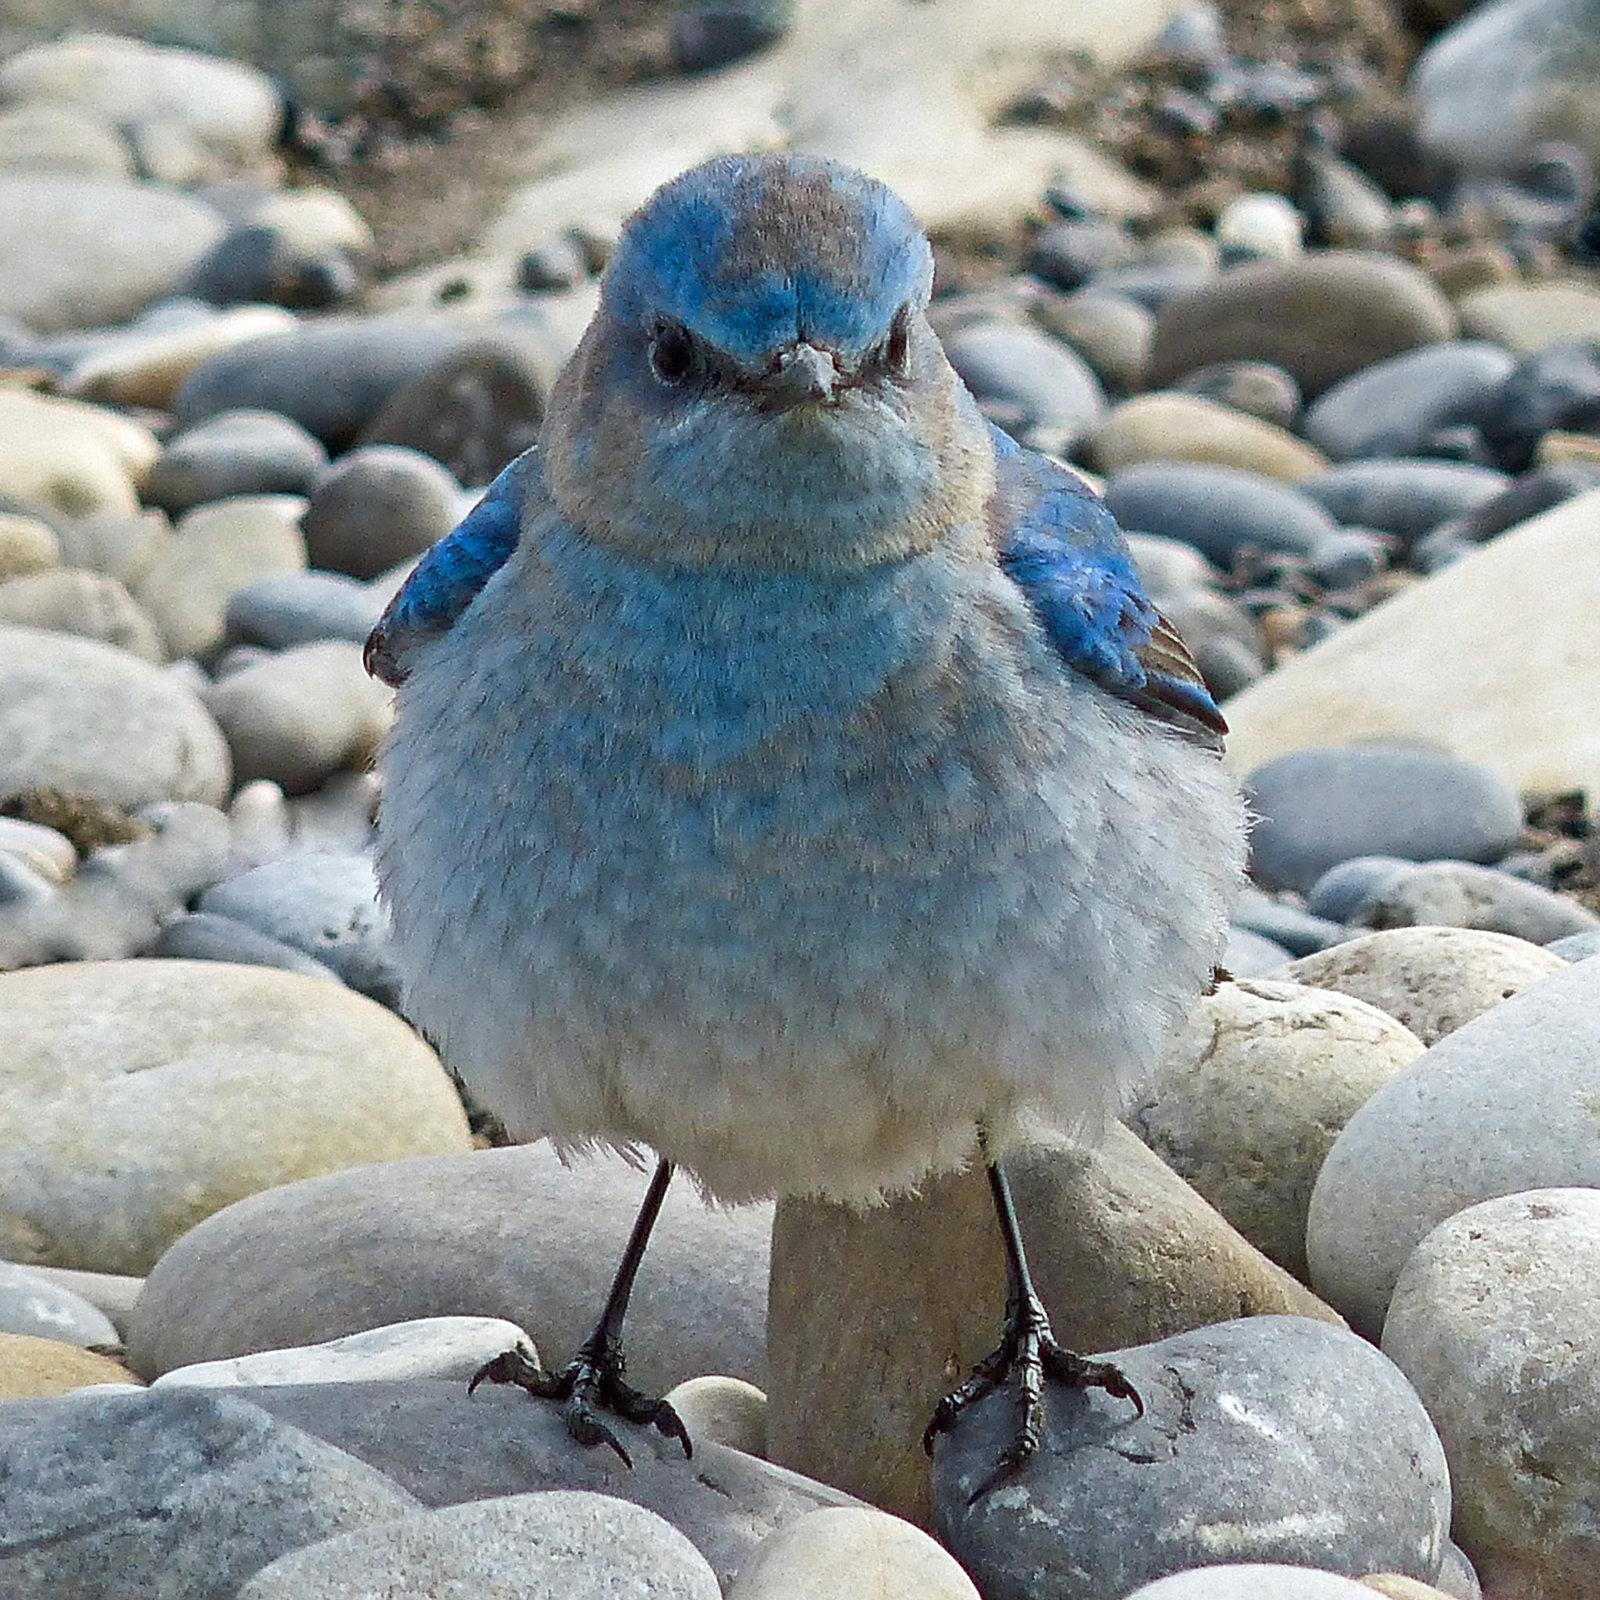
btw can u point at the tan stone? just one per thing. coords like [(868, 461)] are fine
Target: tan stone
[(726, 1410), (1187, 427), (1491, 659), (26, 546), (1399, 1587), (873, 1315), (1430, 979), (31, 1368), (1525, 317), (77, 458)]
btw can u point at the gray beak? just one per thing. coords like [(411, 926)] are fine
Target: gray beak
[(803, 373)]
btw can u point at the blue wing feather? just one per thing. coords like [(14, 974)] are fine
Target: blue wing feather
[(451, 573), (1063, 549)]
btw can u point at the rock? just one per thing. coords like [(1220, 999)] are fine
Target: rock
[(1255, 387), (1343, 207), (726, 1410), (1262, 1580), (1457, 894), (1273, 1438), (474, 410), (85, 718), (1487, 1111), (143, 364), (40, 848), (332, 376), (34, 1305), (114, 904), (257, 262), (1443, 663), (378, 506), (33, 1367), (234, 453), (204, 936), (1398, 1587), (1506, 76), (121, 546), (1494, 1320), (851, 1551), (1183, 427), (322, 904), (1406, 498), (1110, 331), (1070, 253), (1055, 394), (452, 1348), (1394, 407), (88, 605), (1216, 509), (175, 1495), (1430, 979), (864, 1336), (1555, 386), (109, 1292), (508, 1233), (67, 457), (1255, 1085), (565, 1542), (1259, 226), (295, 608), (228, 113), (1576, 946), (1249, 955), (45, 137), (1288, 924), (447, 1448), (300, 716), (1321, 318), (27, 546), (128, 1083), (1344, 891), (84, 252), (1315, 808), (1530, 317)]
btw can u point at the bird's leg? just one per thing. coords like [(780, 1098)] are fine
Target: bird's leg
[(592, 1381), (1027, 1349)]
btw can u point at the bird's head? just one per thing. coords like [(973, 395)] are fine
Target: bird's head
[(760, 387)]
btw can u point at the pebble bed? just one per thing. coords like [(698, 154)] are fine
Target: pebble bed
[(1328, 337)]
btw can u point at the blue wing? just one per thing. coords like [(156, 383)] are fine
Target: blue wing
[(449, 576), (1062, 548)]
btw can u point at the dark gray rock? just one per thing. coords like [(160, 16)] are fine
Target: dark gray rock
[(1556, 387), (1406, 498), (323, 905), (1394, 407), (1217, 509), (237, 452), (204, 936), (1318, 807), (261, 264), (446, 1449), (292, 608), (711, 33), (1459, 894), (1266, 1439), (376, 507), (177, 1494), (1068, 254), (33, 1304), (331, 376), (1296, 930)]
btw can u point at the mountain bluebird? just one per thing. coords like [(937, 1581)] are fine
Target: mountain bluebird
[(789, 773)]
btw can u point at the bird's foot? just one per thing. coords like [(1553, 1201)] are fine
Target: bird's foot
[(1028, 1353), (589, 1384)]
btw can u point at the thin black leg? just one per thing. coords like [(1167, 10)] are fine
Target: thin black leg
[(592, 1381), (1027, 1350)]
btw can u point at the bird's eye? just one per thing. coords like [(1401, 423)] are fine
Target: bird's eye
[(673, 357), (897, 344)]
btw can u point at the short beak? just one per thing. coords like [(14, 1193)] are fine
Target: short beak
[(802, 373)]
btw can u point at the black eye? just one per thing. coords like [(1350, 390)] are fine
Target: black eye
[(897, 346), (673, 357)]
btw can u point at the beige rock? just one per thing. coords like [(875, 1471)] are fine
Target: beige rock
[(727, 1410), (1496, 1322), (859, 1552), (874, 1315), (141, 1096), (46, 852), (144, 368), (77, 458), (1256, 1085), (219, 548), (1430, 979), (1557, 445), (1397, 1586), (27, 545), (121, 546), (1187, 427), (314, 220), (31, 1368), (1489, 659), (87, 604), (42, 137), (1525, 317)]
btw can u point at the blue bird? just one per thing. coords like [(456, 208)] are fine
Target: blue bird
[(789, 773)]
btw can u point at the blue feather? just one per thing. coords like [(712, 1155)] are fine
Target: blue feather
[(451, 573)]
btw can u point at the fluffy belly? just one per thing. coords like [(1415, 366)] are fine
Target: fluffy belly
[(809, 958)]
